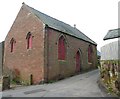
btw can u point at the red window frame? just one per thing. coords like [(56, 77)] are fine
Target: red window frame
[(61, 48)]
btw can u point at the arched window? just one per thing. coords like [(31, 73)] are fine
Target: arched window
[(90, 53), (29, 40), (61, 48), (12, 44)]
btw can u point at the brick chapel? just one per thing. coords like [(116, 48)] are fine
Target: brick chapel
[(41, 48)]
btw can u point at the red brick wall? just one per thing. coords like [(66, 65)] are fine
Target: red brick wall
[(67, 67), (22, 61)]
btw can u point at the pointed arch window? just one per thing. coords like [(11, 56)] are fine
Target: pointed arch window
[(90, 53), (29, 40), (61, 48), (12, 44)]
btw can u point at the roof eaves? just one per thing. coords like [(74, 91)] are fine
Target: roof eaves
[(110, 38), (94, 43), (115, 33)]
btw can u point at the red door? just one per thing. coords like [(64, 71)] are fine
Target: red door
[(77, 61)]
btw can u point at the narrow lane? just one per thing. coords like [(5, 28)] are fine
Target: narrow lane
[(82, 85)]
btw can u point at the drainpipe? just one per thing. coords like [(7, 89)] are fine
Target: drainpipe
[(47, 61)]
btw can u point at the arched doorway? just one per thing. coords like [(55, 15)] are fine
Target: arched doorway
[(78, 61)]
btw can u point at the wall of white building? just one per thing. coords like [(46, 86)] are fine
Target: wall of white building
[(111, 51)]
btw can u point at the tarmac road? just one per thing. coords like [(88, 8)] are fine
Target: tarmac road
[(82, 85)]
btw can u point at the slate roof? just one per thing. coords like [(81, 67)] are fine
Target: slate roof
[(115, 33), (60, 26)]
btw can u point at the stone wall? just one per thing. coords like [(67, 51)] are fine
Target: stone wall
[(110, 66), (110, 74)]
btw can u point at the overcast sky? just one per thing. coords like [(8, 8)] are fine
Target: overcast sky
[(93, 17)]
